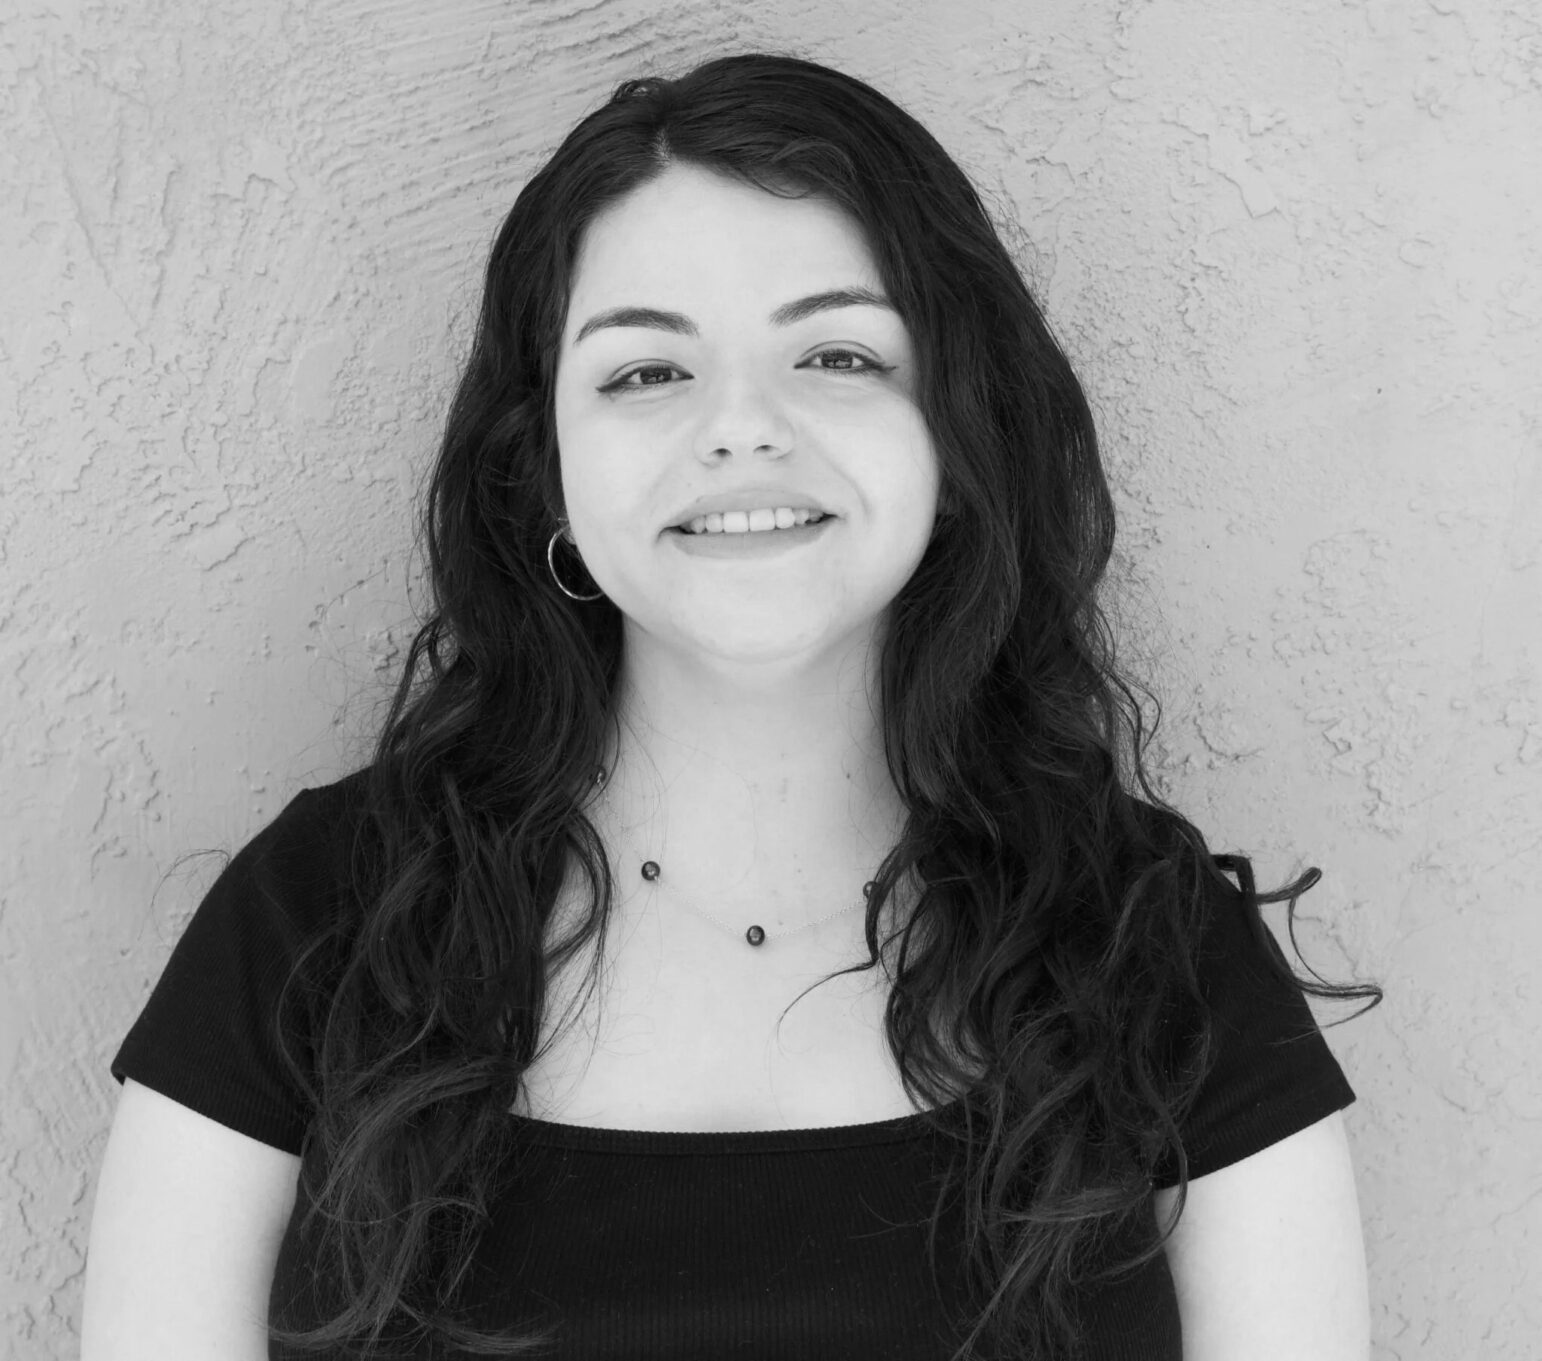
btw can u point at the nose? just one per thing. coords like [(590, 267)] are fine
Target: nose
[(740, 416)]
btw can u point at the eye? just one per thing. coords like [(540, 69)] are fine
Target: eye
[(850, 362), (657, 375), (623, 381)]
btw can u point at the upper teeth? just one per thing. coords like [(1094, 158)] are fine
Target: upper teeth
[(748, 521)]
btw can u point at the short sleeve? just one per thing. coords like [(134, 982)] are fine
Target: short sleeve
[(208, 1035), (1271, 1072)]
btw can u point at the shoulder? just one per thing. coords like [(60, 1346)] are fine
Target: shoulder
[(315, 835), (290, 882), (1215, 891), (1268, 1256), (226, 1028), (1247, 1062), (320, 818)]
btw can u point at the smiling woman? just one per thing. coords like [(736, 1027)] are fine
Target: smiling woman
[(766, 681)]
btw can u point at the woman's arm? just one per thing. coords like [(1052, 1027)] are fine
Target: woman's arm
[(1269, 1257), (185, 1232)]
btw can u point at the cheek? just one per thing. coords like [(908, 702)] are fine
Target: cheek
[(582, 435), (912, 443), (605, 470), (613, 457)]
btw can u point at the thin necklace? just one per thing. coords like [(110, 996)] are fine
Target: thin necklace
[(756, 935)]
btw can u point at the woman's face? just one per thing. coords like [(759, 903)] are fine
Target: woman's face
[(812, 408)]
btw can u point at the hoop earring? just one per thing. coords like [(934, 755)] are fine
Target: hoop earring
[(552, 567)]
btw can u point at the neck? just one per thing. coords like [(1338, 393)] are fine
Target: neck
[(750, 788)]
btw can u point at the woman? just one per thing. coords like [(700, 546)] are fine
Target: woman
[(745, 938)]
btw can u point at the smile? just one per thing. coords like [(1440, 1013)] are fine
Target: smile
[(752, 521), (764, 543)]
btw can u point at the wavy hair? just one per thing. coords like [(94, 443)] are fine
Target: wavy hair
[(1056, 934)]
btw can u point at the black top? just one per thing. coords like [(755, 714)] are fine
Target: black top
[(644, 1244)]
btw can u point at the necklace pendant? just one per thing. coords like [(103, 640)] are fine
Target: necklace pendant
[(754, 935)]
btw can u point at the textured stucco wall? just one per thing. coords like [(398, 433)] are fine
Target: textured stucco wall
[(1293, 249)]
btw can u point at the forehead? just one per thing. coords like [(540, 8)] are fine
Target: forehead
[(693, 233)]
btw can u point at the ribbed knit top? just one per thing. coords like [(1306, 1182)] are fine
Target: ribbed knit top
[(648, 1245)]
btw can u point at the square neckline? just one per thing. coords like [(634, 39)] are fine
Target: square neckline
[(675, 1143)]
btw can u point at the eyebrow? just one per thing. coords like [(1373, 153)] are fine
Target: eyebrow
[(677, 323)]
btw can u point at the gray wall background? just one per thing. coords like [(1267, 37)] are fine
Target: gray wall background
[(1293, 250)]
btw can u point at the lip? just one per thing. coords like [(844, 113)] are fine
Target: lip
[(765, 543), (756, 497)]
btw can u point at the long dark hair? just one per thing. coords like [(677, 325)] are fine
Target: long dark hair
[(1056, 934)]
